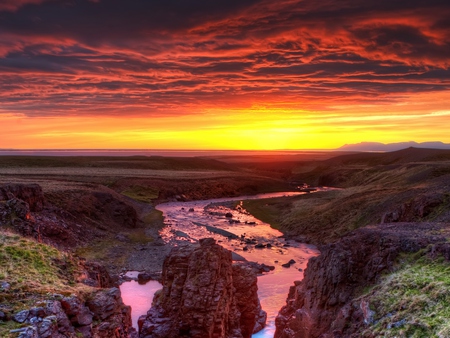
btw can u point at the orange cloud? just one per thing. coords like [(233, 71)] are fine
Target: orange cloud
[(161, 64)]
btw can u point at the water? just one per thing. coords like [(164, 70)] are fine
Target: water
[(138, 296), (185, 222)]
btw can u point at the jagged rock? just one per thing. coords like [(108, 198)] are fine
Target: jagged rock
[(323, 304), (29, 193), (64, 324), (260, 268), (416, 209), (245, 283), (79, 315), (48, 327), (104, 303), (28, 332), (21, 316), (94, 274), (72, 317), (200, 296), (108, 308), (144, 277), (261, 319)]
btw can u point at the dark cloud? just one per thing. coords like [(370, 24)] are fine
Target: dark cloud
[(83, 56)]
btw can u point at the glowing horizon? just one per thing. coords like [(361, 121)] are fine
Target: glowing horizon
[(248, 74)]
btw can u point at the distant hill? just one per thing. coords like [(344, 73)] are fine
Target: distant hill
[(377, 146)]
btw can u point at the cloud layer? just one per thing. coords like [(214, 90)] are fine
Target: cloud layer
[(175, 58)]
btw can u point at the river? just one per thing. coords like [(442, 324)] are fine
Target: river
[(190, 221)]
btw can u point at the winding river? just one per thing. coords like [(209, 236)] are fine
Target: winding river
[(238, 231)]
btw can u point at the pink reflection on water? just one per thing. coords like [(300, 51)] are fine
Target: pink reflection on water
[(139, 297)]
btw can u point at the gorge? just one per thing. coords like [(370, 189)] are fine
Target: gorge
[(382, 269)]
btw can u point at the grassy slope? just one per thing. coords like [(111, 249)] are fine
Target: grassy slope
[(374, 184), (413, 301), (35, 271)]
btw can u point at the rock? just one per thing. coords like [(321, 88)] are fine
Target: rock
[(94, 274), (260, 268), (229, 215), (144, 277), (84, 331), (260, 246), (113, 316), (28, 332), (48, 327), (104, 303), (3, 316), (21, 316), (122, 238), (17, 208), (245, 283), (29, 193), (4, 286), (191, 210), (286, 265), (261, 320), (77, 312), (324, 301), (203, 295), (64, 324)]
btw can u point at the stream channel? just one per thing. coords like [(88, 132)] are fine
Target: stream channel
[(190, 221)]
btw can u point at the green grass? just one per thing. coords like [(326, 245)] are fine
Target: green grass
[(141, 194), (413, 301), (35, 271)]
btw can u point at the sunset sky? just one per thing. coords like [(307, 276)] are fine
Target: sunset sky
[(234, 74)]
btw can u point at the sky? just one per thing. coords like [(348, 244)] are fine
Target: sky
[(234, 74)]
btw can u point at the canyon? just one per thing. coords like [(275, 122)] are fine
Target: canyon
[(388, 221)]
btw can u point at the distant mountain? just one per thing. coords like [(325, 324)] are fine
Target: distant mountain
[(377, 146)]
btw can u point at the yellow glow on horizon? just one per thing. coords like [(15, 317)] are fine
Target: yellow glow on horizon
[(258, 128)]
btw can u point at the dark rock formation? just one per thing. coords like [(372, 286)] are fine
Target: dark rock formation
[(30, 193), (324, 304), (416, 209), (203, 295), (102, 206), (103, 315), (94, 274)]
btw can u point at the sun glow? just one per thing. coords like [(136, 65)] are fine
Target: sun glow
[(240, 129)]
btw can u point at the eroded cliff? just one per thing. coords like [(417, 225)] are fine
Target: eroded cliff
[(330, 302)]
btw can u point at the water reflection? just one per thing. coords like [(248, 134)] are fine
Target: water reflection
[(139, 297)]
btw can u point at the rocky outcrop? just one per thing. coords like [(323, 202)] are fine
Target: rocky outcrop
[(416, 209), (103, 315), (203, 295), (30, 193), (324, 303), (96, 206)]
